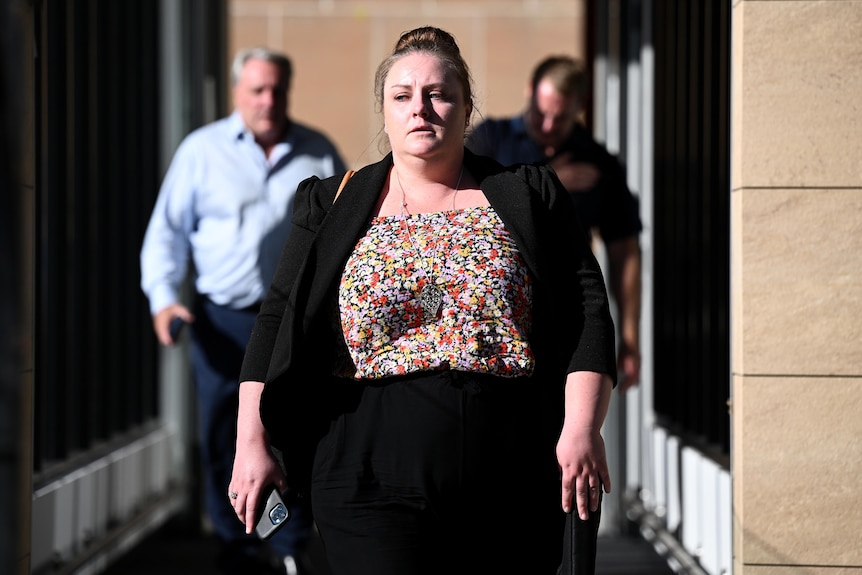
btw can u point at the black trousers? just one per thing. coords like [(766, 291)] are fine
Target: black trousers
[(445, 472)]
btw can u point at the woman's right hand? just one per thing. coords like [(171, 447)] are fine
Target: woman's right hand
[(254, 467)]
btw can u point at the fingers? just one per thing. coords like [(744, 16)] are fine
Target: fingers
[(606, 480), (583, 497), (163, 321), (594, 492), (584, 500), (586, 494), (244, 505), (567, 496), (250, 508), (237, 501), (254, 471)]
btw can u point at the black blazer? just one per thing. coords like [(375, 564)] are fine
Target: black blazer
[(296, 335)]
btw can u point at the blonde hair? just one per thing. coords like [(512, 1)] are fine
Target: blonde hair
[(433, 41)]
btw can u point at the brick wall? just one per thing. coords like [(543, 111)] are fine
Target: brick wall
[(336, 47)]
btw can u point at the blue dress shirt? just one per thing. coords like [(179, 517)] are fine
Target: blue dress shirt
[(228, 206)]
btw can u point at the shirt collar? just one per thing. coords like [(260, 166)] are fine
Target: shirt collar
[(239, 131), (519, 124), (236, 126)]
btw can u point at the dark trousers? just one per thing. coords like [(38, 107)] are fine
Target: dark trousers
[(219, 337), (442, 473)]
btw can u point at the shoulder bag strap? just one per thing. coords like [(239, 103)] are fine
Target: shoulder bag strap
[(343, 183)]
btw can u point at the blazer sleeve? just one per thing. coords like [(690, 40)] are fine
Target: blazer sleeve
[(311, 203), (575, 297)]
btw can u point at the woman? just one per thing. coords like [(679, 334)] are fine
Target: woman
[(447, 322)]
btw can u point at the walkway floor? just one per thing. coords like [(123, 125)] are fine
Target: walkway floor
[(170, 551)]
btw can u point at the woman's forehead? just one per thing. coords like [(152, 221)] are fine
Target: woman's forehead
[(419, 67)]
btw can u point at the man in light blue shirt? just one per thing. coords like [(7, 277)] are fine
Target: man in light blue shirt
[(223, 211)]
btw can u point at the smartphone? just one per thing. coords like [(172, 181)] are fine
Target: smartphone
[(176, 327), (272, 515)]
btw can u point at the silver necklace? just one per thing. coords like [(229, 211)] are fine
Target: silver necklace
[(431, 296)]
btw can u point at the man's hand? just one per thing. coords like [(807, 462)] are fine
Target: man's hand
[(575, 176), (625, 279), (628, 368), (162, 321)]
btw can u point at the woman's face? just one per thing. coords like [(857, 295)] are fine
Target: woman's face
[(424, 112)]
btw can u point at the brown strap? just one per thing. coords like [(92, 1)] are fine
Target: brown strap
[(343, 183)]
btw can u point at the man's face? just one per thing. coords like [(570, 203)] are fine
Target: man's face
[(260, 95), (551, 116)]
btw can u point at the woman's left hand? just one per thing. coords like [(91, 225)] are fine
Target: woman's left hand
[(583, 463), (581, 449)]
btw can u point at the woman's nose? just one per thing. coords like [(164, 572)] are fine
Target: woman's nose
[(420, 107)]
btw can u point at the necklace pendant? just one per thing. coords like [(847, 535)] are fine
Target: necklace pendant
[(430, 299)]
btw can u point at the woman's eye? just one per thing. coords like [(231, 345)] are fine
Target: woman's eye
[(401, 97)]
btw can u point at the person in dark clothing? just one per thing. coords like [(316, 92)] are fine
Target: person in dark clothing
[(550, 130), (447, 335)]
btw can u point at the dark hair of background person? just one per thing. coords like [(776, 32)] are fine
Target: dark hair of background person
[(568, 75)]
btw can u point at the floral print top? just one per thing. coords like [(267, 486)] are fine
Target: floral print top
[(483, 323)]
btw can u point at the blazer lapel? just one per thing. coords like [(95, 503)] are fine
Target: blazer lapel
[(338, 233), (516, 204)]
